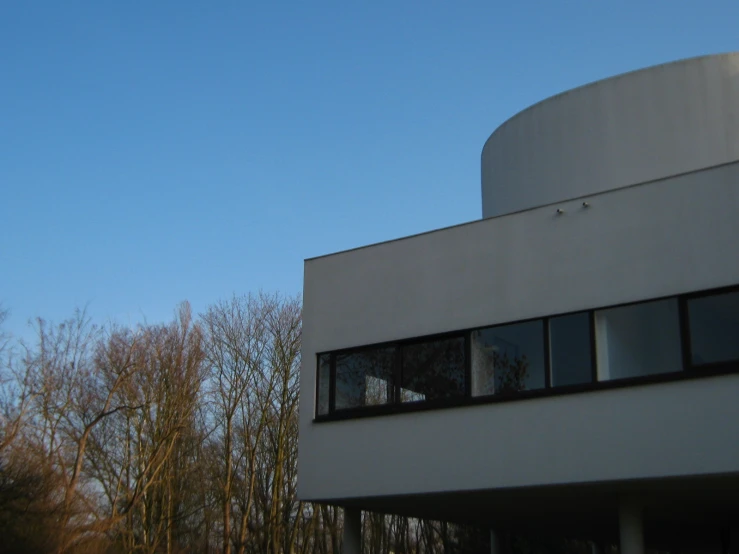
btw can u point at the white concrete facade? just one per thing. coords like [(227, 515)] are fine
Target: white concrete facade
[(613, 252), (621, 191)]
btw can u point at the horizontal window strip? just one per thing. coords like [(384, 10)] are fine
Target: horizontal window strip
[(638, 343)]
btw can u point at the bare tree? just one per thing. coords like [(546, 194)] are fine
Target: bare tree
[(173, 437), (167, 382), (15, 390), (235, 343)]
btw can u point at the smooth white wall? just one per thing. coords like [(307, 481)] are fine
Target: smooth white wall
[(664, 238), (631, 244), (649, 124), (673, 429)]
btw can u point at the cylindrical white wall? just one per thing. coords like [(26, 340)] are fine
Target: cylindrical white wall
[(637, 127)]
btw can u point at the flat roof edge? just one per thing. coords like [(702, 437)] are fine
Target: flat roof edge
[(542, 206)]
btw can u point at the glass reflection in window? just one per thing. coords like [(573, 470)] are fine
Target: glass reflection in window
[(714, 328), (570, 352), (324, 383), (432, 370), (508, 358), (364, 378), (638, 340)]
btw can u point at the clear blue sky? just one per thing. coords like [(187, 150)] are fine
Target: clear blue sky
[(152, 152)]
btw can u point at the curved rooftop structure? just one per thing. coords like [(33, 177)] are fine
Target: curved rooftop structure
[(633, 128)]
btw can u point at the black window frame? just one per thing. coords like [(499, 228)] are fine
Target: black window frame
[(651, 376), (436, 338), (350, 351), (545, 355), (722, 366), (318, 385), (687, 370), (592, 345)]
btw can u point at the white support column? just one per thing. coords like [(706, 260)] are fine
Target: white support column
[(730, 540), (352, 540), (631, 527), (494, 543)]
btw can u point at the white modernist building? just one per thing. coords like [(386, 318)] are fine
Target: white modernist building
[(569, 364)]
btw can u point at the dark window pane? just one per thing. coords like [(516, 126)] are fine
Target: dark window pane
[(714, 328), (570, 350), (508, 358), (324, 383), (637, 340), (432, 370), (364, 378)]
